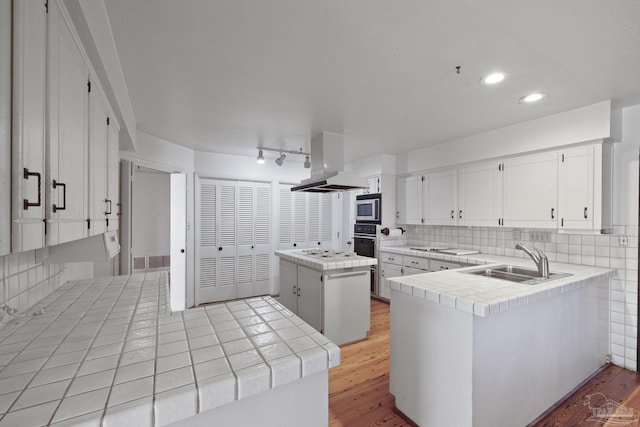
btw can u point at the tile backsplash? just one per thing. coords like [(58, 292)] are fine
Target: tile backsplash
[(618, 250), (25, 281)]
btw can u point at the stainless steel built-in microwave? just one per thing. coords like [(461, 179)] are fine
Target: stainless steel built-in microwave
[(368, 207)]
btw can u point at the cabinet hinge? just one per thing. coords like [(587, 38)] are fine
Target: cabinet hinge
[(89, 85), (88, 224), (107, 121)]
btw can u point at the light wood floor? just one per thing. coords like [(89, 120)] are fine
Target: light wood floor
[(359, 386)]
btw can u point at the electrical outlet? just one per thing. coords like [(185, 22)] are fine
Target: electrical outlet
[(623, 240)]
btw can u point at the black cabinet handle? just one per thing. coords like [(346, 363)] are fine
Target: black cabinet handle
[(64, 196), (181, 251), (585, 213), (26, 204), (452, 214), (460, 214), (553, 216), (220, 248), (295, 244)]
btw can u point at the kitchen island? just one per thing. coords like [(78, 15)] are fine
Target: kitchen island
[(108, 352), (470, 350), (330, 290)]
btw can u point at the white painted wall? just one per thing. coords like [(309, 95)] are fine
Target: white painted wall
[(151, 213), (574, 126), (373, 165), (625, 178), (230, 166)]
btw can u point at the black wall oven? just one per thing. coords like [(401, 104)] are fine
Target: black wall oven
[(365, 243)]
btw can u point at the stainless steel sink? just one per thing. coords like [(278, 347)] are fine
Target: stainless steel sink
[(526, 276)]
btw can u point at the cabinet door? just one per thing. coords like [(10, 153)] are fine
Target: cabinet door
[(576, 188), (227, 240), (310, 291), (113, 173), (409, 199), (531, 191), (98, 161), (288, 285), (67, 115), (439, 198), (388, 271), (5, 127), (480, 194), (28, 125), (374, 184)]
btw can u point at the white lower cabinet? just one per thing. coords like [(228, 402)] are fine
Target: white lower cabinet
[(5, 127), (301, 291), (388, 271)]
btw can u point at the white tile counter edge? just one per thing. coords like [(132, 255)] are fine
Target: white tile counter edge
[(485, 296)]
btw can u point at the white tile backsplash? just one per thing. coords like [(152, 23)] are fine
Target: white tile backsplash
[(25, 282), (585, 249)]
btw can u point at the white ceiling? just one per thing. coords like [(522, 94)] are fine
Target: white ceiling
[(228, 75)]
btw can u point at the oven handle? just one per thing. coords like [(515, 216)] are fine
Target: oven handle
[(350, 274), (359, 236)]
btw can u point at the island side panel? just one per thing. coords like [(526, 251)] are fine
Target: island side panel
[(347, 305), (528, 358), (431, 361)]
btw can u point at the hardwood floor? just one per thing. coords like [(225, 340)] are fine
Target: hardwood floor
[(359, 387)]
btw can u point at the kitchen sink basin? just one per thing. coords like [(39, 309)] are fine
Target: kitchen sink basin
[(526, 276)]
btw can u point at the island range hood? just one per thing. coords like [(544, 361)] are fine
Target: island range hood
[(327, 164)]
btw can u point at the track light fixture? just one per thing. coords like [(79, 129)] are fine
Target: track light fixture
[(280, 159)]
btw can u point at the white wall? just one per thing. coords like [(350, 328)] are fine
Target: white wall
[(579, 125), (151, 213), (373, 165), (230, 166), (625, 178)]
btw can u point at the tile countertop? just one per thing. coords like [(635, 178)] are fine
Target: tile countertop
[(314, 263), (485, 296), (107, 352)]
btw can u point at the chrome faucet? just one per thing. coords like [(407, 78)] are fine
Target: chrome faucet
[(538, 257)]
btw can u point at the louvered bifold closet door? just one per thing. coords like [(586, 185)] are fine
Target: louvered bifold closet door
[(207, 242), (314, 220), (227, 240), (285, 222), (262, 240), (246, 212), (300, 220), (327, 233)]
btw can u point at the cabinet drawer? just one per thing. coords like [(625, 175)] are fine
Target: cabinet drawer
[(437, 265), (391, 258), (416, 262), (408, 271)]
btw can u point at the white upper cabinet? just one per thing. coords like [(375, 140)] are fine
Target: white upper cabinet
[(409, 200), (98, 162), (584, 187), (67, 132), (531, 191), (28, 145), (5, 127), (480, 194), (440, 198), (113, 174)]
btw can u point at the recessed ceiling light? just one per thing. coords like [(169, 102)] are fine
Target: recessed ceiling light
[(532, 97), (493, 78)]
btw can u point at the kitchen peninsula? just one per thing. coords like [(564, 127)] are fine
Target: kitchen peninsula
[(472, 350), (330, 290), (107, 352)]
